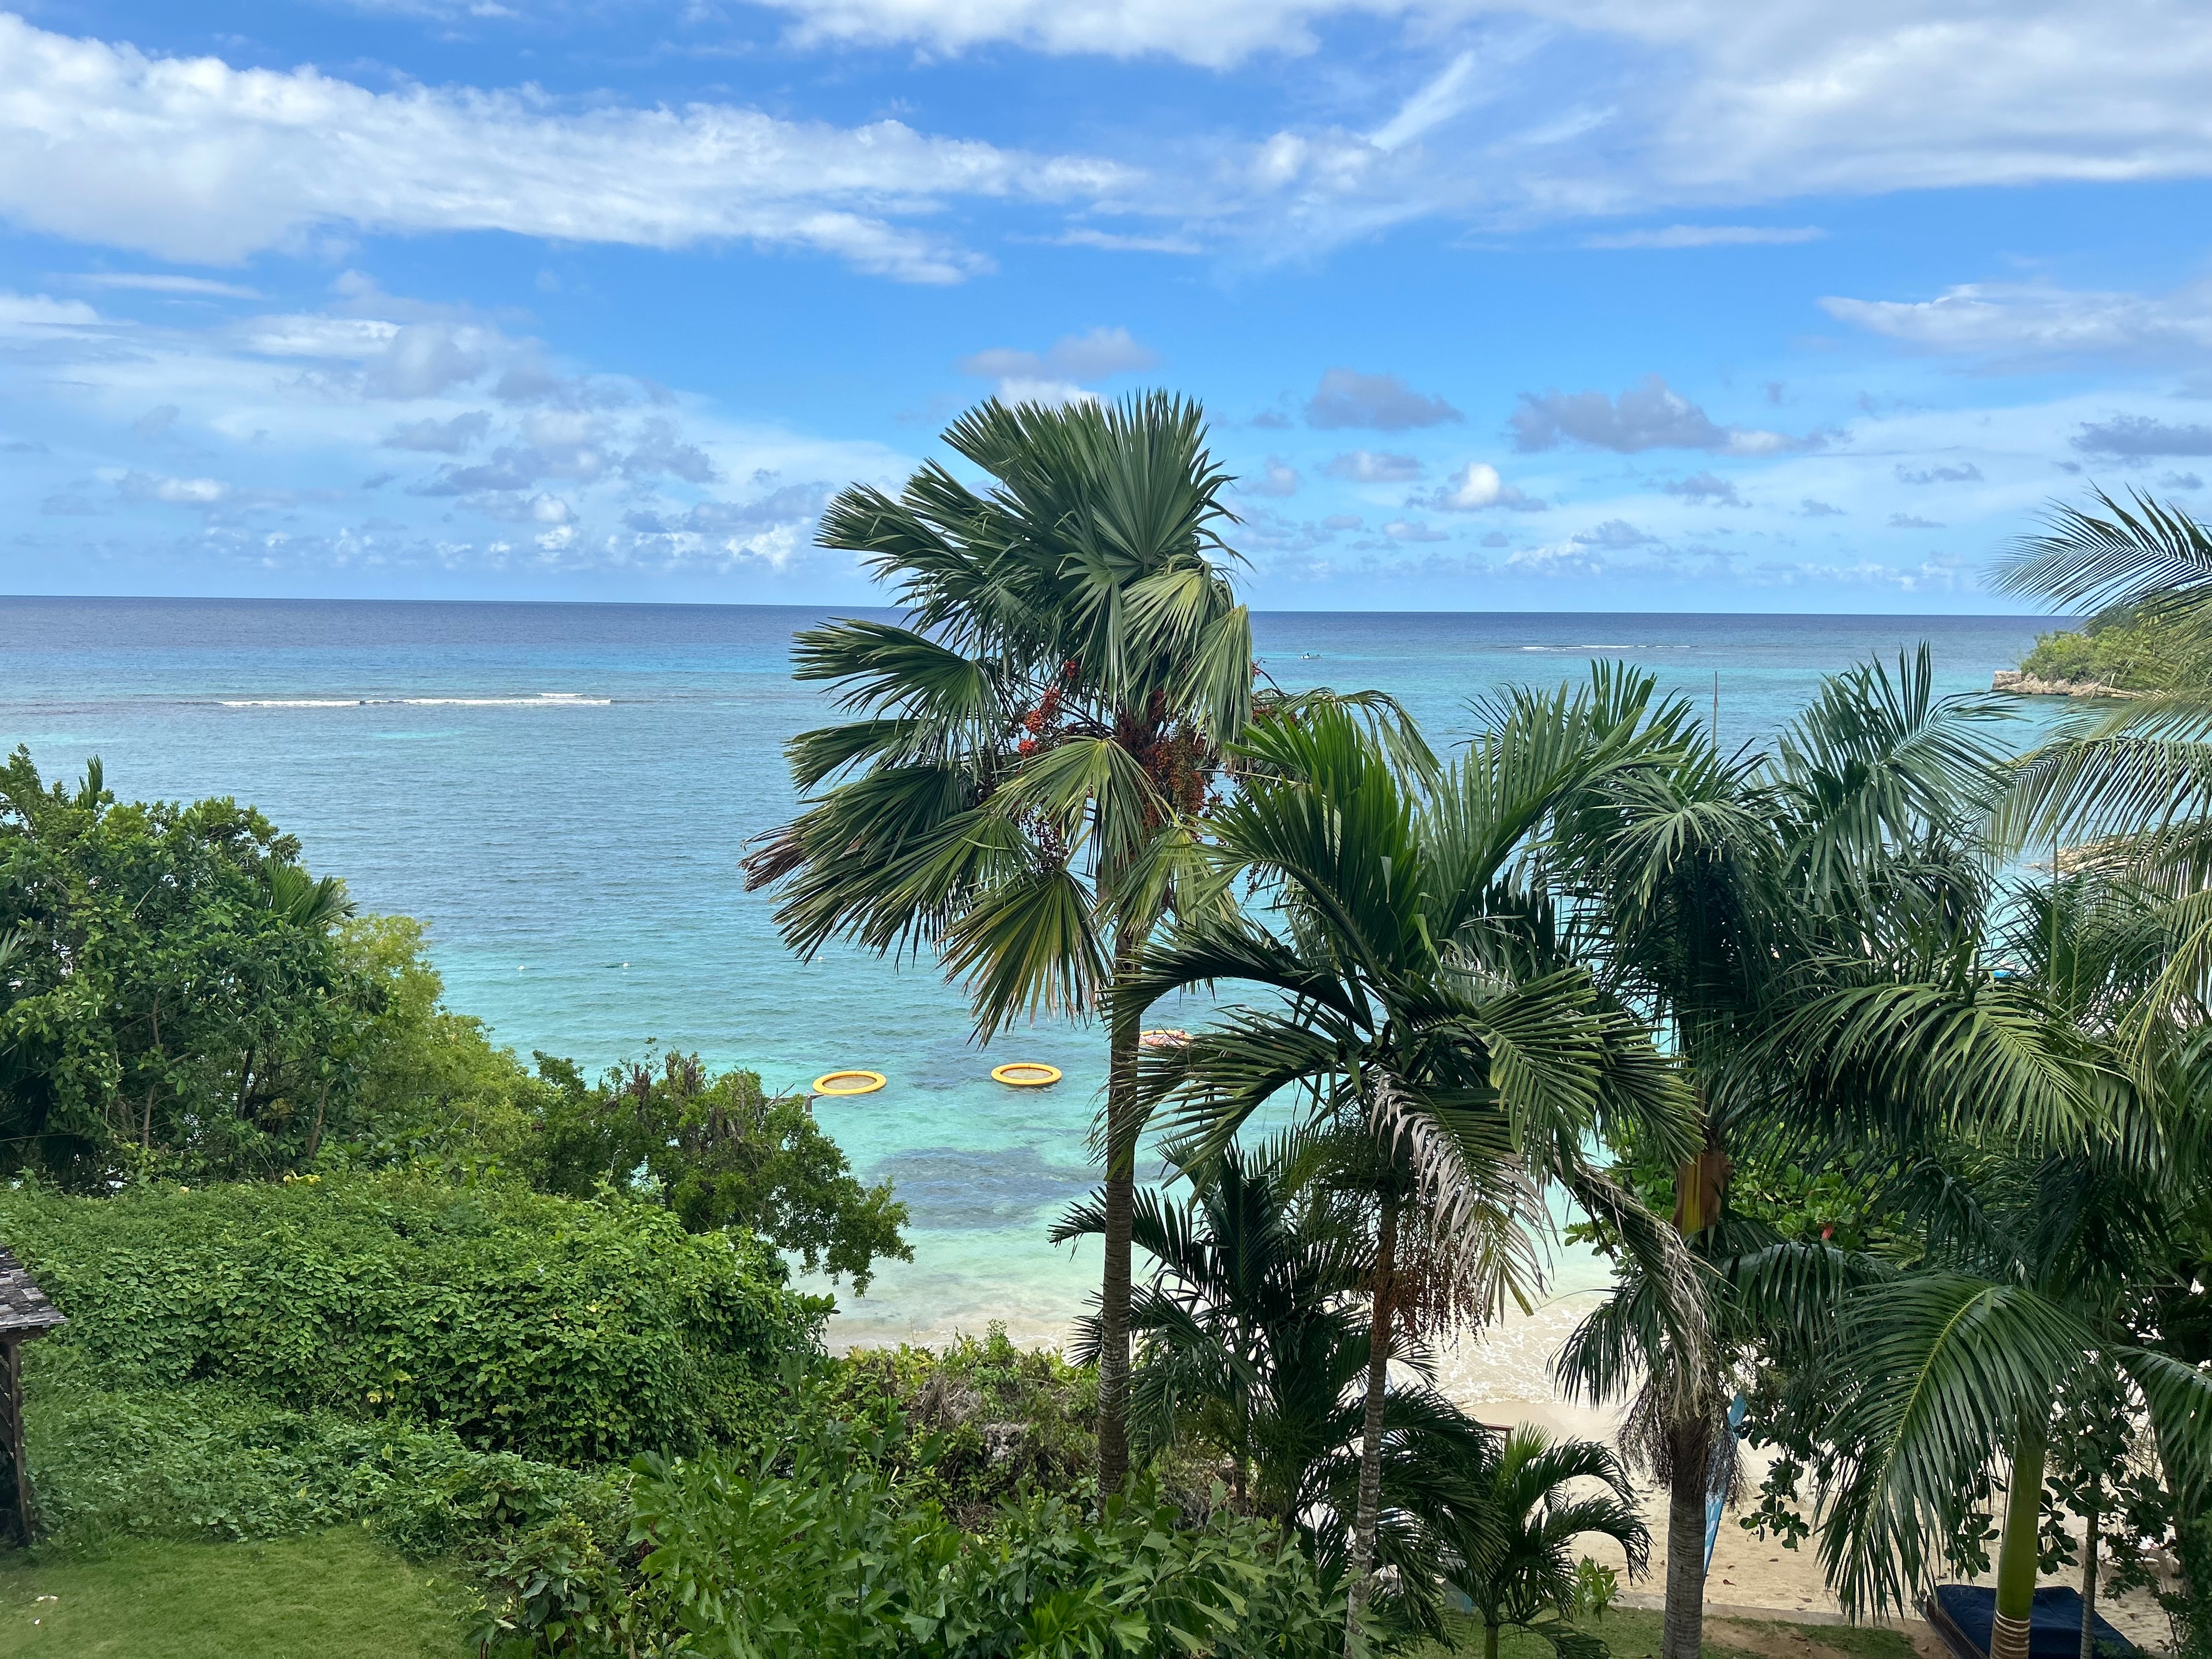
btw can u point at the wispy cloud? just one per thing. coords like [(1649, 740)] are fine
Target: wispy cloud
[(191, 160), (1679, 236)]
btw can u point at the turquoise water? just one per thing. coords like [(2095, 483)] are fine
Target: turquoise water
[(562, 793)]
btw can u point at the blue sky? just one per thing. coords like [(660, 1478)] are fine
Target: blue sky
[(1565, 305)]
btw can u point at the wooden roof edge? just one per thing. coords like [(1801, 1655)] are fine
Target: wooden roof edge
[(24, 1310)]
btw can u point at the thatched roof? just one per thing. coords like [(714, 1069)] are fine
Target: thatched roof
[(24, 1310)]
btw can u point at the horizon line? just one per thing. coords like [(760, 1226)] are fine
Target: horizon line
[(755, 604)]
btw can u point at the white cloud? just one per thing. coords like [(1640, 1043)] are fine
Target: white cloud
[(164, 282), (1706, 489), (175, 492), (1476, 487), (1279, 479), (1347, 397), (290, 421), (1614, 106), (2016, 320), (1678, 236), (1023, 389), (448, 437), (191, 160), (1372, 467), (1098, 355), (1117, 242), (1402, 530), (36, 314), (2139, 437)]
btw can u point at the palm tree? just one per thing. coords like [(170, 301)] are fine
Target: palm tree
[(1032, 743), (1804, 928), (1243, 1315), (1251, 1338), (1420, 1003), (2135, 782), (1506, 1536), (2026, 1263)]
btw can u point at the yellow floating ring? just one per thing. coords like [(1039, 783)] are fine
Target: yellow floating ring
[(849, 1083), (1026, 1074)]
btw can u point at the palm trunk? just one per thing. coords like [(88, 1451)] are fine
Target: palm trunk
[(1684, 1633), (2089, 1569), (1700, 1194), (1371, 1433), (1120, 1215), (1490, 1642), (2017, 1553)]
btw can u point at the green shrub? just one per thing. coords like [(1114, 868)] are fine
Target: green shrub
[(719, 1152), (989, 1418), (207, 1462), (569, 1331), (826, 1549)]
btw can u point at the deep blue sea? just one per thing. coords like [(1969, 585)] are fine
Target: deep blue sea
[(562, 793)]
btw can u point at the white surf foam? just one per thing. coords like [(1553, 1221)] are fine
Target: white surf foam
[(543, 699)]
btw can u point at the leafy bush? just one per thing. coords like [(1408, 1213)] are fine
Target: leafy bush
[(717, 1152), (861, 1565), (210, 1463), (569, 1331), (176, 986), (972, 1423)]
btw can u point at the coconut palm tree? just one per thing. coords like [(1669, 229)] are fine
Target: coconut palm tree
[(1506, 1536), (1420, 1005), (1032, 742)]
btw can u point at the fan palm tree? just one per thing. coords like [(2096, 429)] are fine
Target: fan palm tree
[(1507, 1535), (1804, 928), (1033, 742), (1419, 1004)]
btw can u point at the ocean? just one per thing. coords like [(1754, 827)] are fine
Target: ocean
[(562, 793)]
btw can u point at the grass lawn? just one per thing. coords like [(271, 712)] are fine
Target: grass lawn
[(1633, 1633), (336, 1595)]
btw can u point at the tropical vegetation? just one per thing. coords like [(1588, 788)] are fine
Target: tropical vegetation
[(1874, 1057)]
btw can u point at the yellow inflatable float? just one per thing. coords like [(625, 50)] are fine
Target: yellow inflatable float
[(1026, 1074), (849, 1083)]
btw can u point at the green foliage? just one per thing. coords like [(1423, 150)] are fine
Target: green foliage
[(212, 1463), (429, 1085), (1505, 1516), (568, 1331), (719, 1152), (177, 992), (970, 1425), (2130, 651), (861, 1568)]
